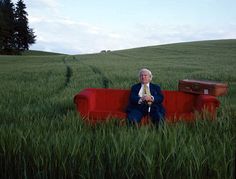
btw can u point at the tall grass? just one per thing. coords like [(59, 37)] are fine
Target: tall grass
[(41, 135)]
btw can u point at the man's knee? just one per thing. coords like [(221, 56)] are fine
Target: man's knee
[(134, 117), (157, 117)]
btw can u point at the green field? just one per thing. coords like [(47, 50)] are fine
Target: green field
[(41, 136)]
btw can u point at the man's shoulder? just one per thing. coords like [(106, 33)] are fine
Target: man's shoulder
[(152, 85), (137, 85)]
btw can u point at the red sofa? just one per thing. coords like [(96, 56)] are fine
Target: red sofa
[(98, 104)]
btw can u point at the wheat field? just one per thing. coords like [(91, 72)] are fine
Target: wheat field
[(42, 136)]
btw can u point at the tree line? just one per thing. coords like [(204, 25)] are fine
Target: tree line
[(15, 34)]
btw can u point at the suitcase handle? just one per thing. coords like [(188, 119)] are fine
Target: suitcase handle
[(195, 86)]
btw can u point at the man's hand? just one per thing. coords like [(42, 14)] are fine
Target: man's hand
[(147, 98)]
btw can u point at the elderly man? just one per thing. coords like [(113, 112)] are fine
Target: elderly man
[(145, 99)]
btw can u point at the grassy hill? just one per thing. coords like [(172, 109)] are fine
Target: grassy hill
[(206, 60), (42, 136), (38, 53)]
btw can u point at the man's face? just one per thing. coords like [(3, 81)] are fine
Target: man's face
[(144, 77)]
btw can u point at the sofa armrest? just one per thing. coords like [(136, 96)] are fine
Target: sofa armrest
[(85, 102), (207, 103)]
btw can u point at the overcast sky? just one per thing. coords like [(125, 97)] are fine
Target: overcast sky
[(89, 26)]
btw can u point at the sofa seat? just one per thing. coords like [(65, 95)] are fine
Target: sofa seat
[(103, 115)]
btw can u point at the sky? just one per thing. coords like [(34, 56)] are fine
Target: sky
[(90, 26)]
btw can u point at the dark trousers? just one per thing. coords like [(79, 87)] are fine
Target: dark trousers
[(136, 114)]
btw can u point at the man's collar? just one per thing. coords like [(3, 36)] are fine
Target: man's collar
[(148, 84)]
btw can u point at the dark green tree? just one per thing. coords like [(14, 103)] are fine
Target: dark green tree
[(24, 35), (7, 27), (1, 25), (15, 34)]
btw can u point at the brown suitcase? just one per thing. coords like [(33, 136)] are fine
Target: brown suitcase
[(203, 87)]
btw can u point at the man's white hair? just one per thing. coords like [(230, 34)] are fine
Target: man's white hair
[(145, 70)]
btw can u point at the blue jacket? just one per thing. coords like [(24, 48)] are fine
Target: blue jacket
[(155, 92)]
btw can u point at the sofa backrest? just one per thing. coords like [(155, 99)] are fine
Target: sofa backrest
[(111, 99), (176, 101), (117, 100)]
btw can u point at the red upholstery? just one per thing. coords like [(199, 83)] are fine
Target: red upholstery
[(96, 104)]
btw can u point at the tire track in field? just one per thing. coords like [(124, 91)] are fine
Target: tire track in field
[(69, 72), (105, 81), (55, 104), (68, 75)]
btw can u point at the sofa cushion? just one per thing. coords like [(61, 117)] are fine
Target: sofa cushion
[(186, 116), (105, 114)]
